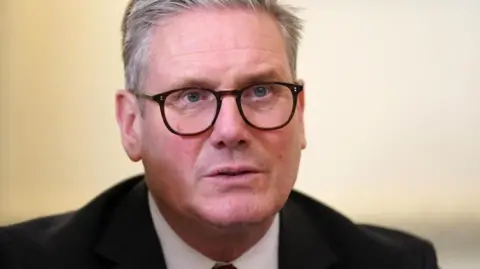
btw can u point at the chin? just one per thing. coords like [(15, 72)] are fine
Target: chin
[(238, 210)]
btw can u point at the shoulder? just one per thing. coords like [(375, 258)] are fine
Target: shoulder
[(354, 241), (415, 250), (28, 239), (42, 238)]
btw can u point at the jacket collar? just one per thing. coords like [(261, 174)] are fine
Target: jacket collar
[(129, 240), (302, 245)]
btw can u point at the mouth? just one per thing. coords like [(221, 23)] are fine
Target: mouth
[(231, 172), (234, 173)]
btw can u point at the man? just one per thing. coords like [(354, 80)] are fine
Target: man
[(214, 111)]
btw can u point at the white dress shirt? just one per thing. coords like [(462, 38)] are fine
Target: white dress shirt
[(179, 255)]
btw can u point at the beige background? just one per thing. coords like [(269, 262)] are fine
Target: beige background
[(393, 112)]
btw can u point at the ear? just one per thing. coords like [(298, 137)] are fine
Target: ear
[(129, 118), (300, 111)]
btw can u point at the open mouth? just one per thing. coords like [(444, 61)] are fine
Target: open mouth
[(234, 173)]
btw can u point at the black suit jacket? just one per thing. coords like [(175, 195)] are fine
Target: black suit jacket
[(115, 230)]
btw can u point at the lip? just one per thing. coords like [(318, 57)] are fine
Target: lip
[(225, 171)]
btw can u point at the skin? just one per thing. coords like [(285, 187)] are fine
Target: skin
[(220, 218)]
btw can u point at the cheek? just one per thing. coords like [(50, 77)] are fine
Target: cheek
[(162, 146), (284, 148), (172, 157), (285, 143), (168, 160)]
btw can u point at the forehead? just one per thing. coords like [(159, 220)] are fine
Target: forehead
[(218, 43)]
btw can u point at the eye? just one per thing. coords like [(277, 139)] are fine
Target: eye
[(260, 91), (192, 96), (189, 97)]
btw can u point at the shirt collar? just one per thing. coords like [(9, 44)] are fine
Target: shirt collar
[(179, 255)]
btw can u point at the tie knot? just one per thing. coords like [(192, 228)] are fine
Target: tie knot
[(224, 266)]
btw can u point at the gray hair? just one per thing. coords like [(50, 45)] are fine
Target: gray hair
[(141, 15)]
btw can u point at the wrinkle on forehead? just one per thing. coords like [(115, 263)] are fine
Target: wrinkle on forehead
[(200, 52), (232, 71), (239, 40), (189, 32)]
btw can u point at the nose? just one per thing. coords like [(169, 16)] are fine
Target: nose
[(229, 130)]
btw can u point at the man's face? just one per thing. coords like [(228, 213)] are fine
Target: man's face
[(221, 50)]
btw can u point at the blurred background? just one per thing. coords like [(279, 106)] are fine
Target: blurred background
[(393, 112)]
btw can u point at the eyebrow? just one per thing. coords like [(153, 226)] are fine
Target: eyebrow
[(266, 75)]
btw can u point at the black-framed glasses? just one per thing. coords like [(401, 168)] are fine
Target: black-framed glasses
[(193, 110)]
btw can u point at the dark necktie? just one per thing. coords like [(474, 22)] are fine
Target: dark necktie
[(226, 266)]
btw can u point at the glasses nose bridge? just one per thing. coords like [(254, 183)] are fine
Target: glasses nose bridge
[(235, 92)]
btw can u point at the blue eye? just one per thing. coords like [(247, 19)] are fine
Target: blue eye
[(260, 91), (193, 97)]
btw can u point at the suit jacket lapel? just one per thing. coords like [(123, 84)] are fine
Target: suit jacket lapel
[(129, 240), (302, 245)]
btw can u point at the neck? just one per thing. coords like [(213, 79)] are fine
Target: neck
[(223, 244)]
